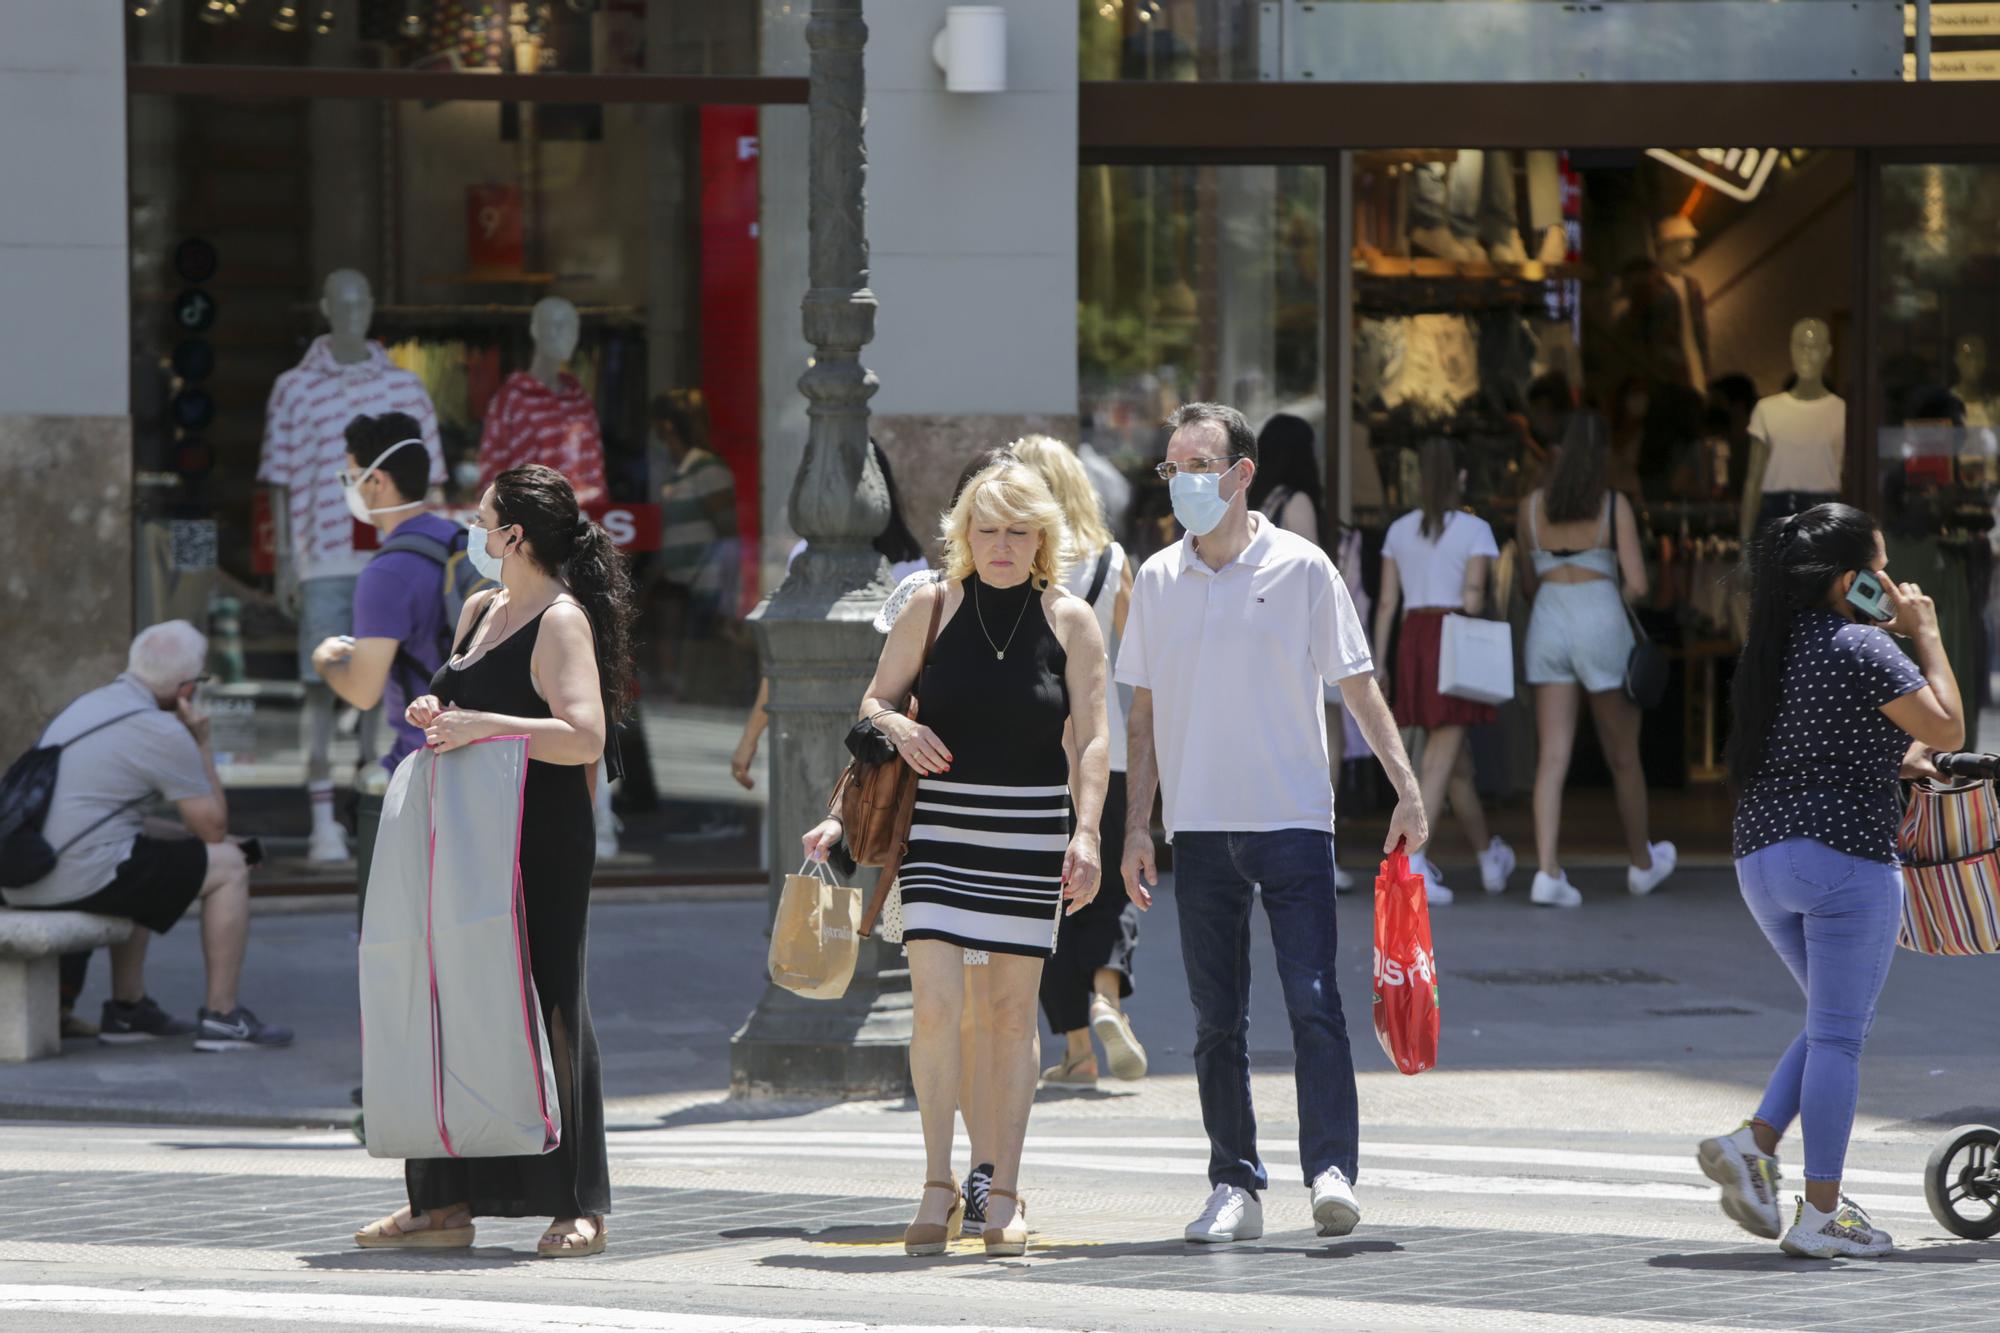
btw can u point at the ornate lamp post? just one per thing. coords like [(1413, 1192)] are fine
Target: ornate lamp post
[(814, 633)]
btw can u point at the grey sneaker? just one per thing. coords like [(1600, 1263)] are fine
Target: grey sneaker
[(1845, 1233), (1749, 1180), (237, 1030), (1334, 1210)]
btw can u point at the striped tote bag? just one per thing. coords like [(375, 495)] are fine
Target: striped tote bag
[(1950, 845)]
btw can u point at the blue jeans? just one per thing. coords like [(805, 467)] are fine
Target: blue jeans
[(1833, 920), (1213, 878)]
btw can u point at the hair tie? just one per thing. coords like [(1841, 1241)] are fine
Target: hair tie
[(582, 524)]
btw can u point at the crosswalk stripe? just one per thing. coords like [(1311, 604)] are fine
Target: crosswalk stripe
[(305, 1307), (646, 1141), (1434, 1182)]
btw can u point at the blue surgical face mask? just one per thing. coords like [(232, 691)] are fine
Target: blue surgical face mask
[(482, 559), (1197, 500)]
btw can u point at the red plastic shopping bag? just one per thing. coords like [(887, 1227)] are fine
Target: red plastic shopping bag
[(1406, 991)]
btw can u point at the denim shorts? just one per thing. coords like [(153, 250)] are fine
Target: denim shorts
[(326, 608)]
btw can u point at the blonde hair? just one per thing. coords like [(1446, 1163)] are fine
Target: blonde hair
[(1070, 485), (1009, 493)]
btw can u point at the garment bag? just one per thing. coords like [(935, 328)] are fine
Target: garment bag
[(454, 1056)]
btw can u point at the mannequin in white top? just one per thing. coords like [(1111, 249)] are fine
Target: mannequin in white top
[(1968, 358), (1798, 438)]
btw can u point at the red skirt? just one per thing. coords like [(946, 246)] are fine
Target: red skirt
[(1417, 701)]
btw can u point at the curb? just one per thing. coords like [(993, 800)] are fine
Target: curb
[(124, 1113)]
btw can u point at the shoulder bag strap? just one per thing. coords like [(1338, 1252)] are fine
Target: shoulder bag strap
[(886, 880), (1097, 578), (116, 810)]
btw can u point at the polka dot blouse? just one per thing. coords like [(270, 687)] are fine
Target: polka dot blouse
[(1829, 772)]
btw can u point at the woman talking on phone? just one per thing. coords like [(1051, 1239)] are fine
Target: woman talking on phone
[(546, 655), (1828, 711)]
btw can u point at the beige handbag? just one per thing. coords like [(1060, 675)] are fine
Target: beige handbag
[(816, 937)]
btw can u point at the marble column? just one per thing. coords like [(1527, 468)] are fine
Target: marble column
[(814, 634)]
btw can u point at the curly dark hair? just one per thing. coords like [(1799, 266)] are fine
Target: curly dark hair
[(565, 544)]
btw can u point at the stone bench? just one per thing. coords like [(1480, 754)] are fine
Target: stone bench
[(30, 943)]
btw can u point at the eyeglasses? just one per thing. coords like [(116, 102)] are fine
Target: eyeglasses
[(1198, 466)]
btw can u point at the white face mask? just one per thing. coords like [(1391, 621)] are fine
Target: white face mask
[(351, 490)]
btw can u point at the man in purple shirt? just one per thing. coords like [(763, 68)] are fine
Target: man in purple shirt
[(401, 636)]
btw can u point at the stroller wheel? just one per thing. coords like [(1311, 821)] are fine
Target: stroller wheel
[(1962, 1182)]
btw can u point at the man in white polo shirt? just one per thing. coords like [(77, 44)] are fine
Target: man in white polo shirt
[(1229, 636)]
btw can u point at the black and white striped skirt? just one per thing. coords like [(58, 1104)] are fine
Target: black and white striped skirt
[(984, 868)]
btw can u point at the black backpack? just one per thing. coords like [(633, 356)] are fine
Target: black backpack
[(26, 790)]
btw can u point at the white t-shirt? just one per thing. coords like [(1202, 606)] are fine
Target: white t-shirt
[(1433, 572), (1235, 658), (1808, 441)]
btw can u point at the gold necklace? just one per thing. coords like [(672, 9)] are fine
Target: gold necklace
[(999, 649)]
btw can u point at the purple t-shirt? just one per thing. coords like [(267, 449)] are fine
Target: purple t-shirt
[(400, 596)]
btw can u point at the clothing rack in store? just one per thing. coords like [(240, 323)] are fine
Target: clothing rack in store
[(1399, 295)]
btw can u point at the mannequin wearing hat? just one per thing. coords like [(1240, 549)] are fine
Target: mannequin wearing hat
[(1676, 237), (1798, 438)]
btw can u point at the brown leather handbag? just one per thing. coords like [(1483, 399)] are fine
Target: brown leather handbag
[(876, 802)]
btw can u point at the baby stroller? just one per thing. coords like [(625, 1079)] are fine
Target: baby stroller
[(1950, 846)]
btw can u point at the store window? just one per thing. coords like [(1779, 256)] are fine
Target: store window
[(1195, 282), (531, 283), (1172, 40), (452, 36), (1938, 328)]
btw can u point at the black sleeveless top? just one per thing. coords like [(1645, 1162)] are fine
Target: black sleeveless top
[(500, 681), (1001, 716)]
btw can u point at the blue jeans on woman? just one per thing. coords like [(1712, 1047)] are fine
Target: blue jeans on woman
[(1833, 920), (1214, 878)]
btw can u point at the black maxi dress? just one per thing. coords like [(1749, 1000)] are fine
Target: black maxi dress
[(558, 854)]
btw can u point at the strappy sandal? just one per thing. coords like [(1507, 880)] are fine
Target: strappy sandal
[(921, 1239), (560, 1247), (1010, 1241), (1065, 1075), (391, 1234)]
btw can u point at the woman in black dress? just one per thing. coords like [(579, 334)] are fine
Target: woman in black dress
[(546, 655), (994, 853)]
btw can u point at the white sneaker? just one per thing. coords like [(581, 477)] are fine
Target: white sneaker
[(1554, 891), (1495, 864), (1643, 882), (1230, 1214), (1435, 893), (1342, 881), (1749, 1178), (1334, 1209), (607, 834), (329, 843), (1847, 1232)]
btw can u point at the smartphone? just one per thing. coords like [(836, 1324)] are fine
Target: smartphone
[(1868, 597), (253, 851)]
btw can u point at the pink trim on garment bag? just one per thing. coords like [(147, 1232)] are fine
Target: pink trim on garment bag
[(523, 964), (430, 959), (524, 967)]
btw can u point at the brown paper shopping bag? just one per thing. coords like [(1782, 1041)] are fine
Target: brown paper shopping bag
[(817, 934)]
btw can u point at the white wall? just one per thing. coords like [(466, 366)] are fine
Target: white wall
[(972, 217), (62, 218)]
